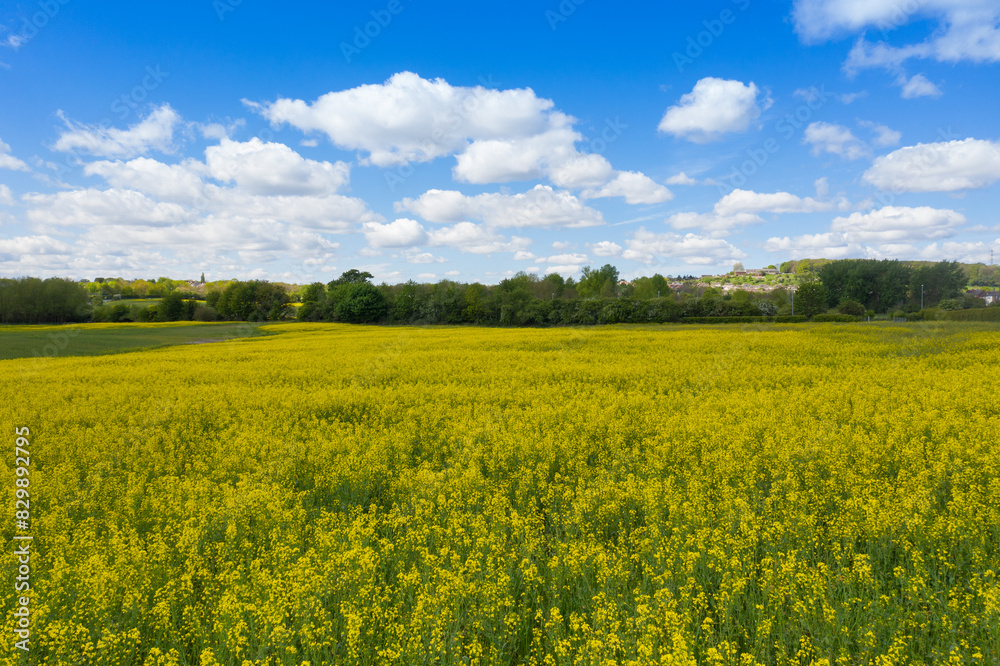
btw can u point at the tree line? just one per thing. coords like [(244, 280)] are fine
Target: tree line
[(848, 288)]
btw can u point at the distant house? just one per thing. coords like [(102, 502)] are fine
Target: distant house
[(989, 296)]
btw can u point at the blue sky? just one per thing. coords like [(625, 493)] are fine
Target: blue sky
[(470, 141)]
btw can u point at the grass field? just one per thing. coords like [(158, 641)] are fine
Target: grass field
[(811, 494), (43, 342)]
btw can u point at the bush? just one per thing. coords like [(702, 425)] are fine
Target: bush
[(978, 314), (787, 319), (205, 313), (839, 318), (851, 308)]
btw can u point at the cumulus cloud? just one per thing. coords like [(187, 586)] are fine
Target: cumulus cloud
[(634, 187), (398, 233), (649, 247), (966, 29), (681, 179), (411, 119), (606, 249), (273, 168), (6, 196), (747, 201), (476, 239), (13, 248), (496, 136), (575, 258), (884, 136), (178, 183), (91, 207), (154, 132), (541, 206), (8, 161), (834, 139), (547, 154), (742, 208), (826, 245), (898, 223), (961, 30), (714, 108), (917, 85), (937, 167), (891, 231)]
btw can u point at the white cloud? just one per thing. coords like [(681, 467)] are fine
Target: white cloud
[(547, 154), (606, 249), (539, 207), (937, 167), (575, 258), (398, 233), (273, 168), (8, 161), (892, 231), (966, 30), (634, 187), (648, 247), (6, 196), (179, 183), (917, 86), (92, 208), (884, 136), (712, 223), (822, 186), (742, 208), (681, 179), (563, 245), (12, 248), (834, 139), (415, 257), (411, 119), (713, 108), (521, 255), (155, 132), (898, 223), (827, 246), (496, 136), (966, 252), (476, 239), (747, 201), (563, 269)]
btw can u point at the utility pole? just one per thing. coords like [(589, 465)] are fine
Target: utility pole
[(921, 297)]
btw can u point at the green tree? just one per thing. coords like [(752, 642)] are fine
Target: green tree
[(595, 283), (810, 299), (361, 303)]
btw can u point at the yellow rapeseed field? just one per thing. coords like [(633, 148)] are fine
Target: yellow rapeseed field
[(818, 494)]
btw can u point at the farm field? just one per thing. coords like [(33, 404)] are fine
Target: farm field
[(329, 494), (45, 342)]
